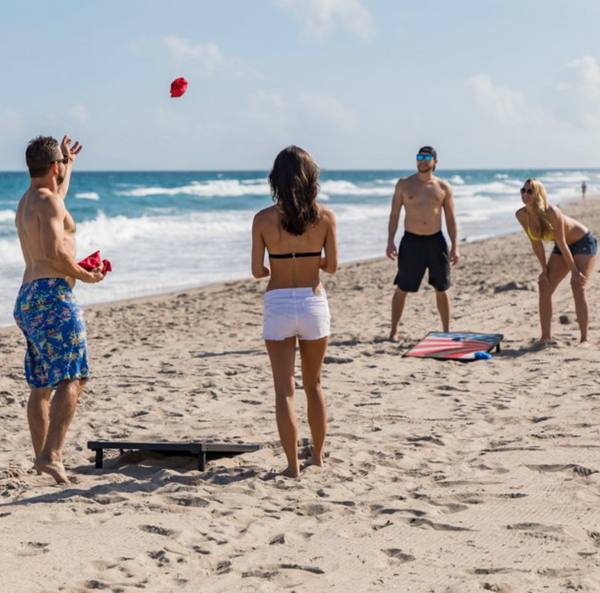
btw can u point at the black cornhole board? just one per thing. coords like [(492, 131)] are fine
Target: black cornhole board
[(199, 449)]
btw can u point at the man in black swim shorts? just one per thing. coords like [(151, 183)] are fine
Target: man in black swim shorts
[(423, 246)]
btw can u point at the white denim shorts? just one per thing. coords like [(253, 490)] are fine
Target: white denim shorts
[(290, 312)]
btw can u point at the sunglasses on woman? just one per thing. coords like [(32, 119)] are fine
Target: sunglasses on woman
[(424, 157), (526, 191)]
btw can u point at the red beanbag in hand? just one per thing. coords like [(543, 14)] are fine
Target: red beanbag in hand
[(91, 262)]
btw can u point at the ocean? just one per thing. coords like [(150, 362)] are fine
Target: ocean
[(168, 231)]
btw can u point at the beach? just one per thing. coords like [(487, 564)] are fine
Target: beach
[(440, 477)]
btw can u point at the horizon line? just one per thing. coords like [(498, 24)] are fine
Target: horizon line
[(321, 169)]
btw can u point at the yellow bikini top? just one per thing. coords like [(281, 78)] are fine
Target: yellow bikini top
[(549, 236)]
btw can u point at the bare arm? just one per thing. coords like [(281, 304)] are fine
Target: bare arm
[(397, 203), (52, 235), (329, 263), (72, 154), (451, 224), (259, 270)]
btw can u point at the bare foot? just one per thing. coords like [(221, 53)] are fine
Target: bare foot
[(54, 468), (393, 336), (583, 344), (543, 344), (317, 462), (291, 472)]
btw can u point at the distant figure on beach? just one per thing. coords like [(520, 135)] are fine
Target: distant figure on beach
[(583, 190), (574, 251), (46, 310), (423, 246), (294, 232)]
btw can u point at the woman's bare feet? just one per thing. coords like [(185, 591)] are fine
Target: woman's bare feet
[(291, 472), (54, 468), (318, 462)]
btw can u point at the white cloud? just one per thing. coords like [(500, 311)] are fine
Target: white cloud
[(503, 104), (208, 57), (79, 114), (320, 17), (317, 114), (575, 101), (579, 91), (327, 112)]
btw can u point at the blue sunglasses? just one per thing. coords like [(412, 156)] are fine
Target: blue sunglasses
[(424, 157)]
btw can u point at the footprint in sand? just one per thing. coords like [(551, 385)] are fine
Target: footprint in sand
[(435, 526), (94, 584), (160, 556), (32, 548), (584, 472), (399, 555), (157, 530), (337, 360), (192, 501), (312, 569)]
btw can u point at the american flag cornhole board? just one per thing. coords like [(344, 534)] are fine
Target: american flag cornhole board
[(455, 345)]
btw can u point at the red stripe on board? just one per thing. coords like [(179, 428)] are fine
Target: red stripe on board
[(444, 353), (457, 354)]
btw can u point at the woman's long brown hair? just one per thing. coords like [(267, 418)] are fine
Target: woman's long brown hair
[(294, 182)]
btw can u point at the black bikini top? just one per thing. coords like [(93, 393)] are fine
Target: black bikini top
[(294, 255)]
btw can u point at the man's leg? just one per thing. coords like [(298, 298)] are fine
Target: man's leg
[(443, 306), (38, 409), (62, 410), (398, 301)]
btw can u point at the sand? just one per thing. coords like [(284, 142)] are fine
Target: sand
[(441, 476)]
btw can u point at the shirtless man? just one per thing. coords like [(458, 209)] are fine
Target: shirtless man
[(423, 246), (46, 310)]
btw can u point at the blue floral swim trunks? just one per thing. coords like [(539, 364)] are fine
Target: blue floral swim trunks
[(49, 316)]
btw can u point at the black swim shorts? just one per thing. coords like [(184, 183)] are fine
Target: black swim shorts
[(418, 253), (587, 245)]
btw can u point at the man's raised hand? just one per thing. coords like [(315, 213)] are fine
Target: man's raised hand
[(68, 150)]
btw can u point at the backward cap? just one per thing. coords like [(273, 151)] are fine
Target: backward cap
[(428, 150)]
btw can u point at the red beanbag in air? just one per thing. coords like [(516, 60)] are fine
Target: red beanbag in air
[(91, 262), (178, 87)]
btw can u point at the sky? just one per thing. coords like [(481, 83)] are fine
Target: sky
[(360, 84)]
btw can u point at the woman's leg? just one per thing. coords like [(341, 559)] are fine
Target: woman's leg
[(282, 355), (312, 353), (557, 270), (585, 264)]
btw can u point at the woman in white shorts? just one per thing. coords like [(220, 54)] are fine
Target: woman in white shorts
[(295, 232)]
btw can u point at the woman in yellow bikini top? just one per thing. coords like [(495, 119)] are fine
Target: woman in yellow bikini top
[(574, 250), (547, 236)]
